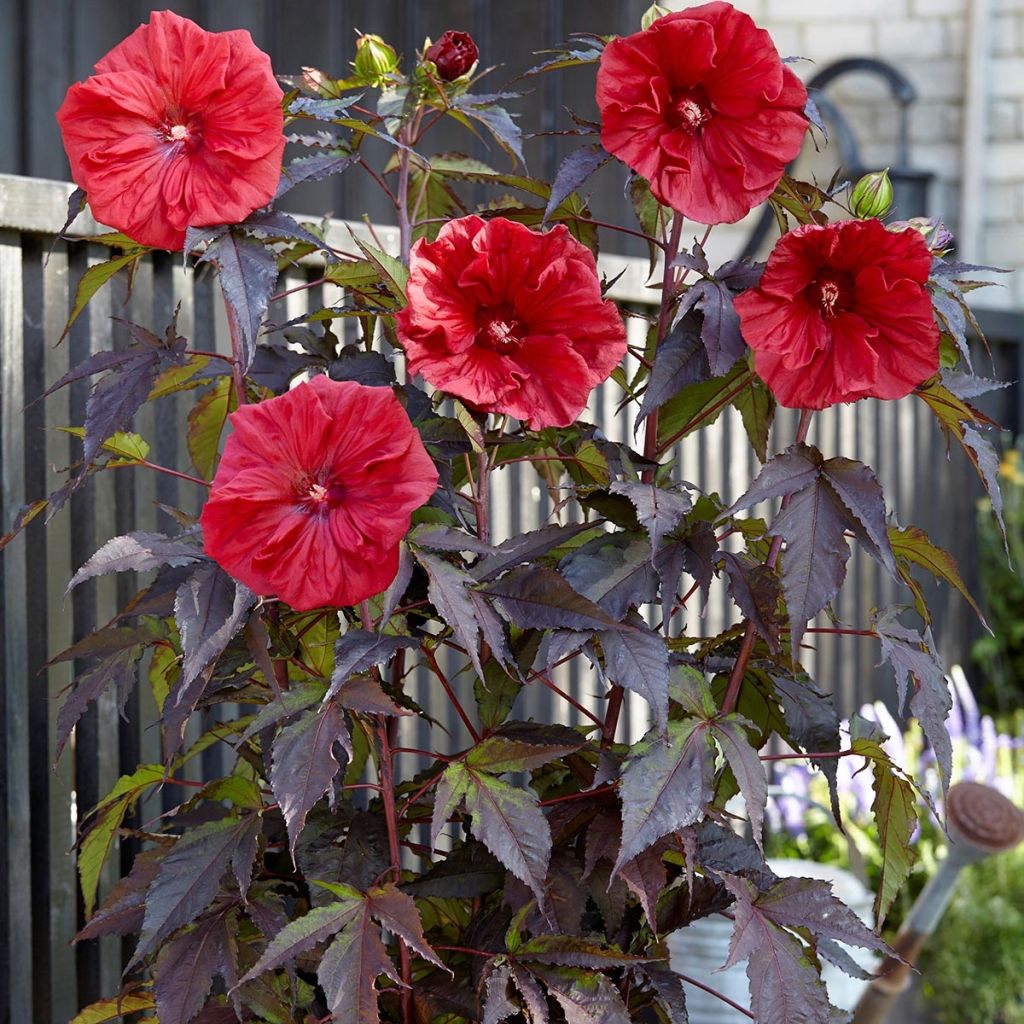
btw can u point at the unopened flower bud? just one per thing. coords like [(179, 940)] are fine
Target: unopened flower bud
[(872, 195), (374, 58), (454, 55), (651, 15)]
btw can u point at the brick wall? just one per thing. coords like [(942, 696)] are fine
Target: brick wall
[(926, 40)]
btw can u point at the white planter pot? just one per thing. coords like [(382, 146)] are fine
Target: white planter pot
[(700, 949)]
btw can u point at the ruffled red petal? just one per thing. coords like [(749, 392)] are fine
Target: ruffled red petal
[(314, 491), (747, 114), (219, 87), (563, 337)]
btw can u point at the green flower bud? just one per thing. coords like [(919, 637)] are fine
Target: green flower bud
[(652, 14), (872, 195), (374, 59)]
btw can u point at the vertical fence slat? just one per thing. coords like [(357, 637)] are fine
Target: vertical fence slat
[(17, 876)]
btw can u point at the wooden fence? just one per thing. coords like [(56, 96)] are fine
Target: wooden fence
[(44, 979)]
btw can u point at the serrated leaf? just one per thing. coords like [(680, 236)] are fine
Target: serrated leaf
[(206, 420), (109, 814), (636, 658), (358, 651), (679, 361), (657, 510), (185, 967), (305, 932), (895, 812), (614, 570), (209, 609), (859, 490), (666, 785), (912, 544), (917, 666), (496, 120), (107, 1010), (756, 590), (365, 694), (312, 168), (527, 547), (523, 746), (645, 877), (497, 1005), (397, 912), (505, 819), (393, 271), (124, 907), (668, 988), (248, 273), (539, 598), (730, 732), (349, 969), (189, 877), (136, 552), (573, 172), (720, 331), (303, 765), (584, 996), (465, 610), (95, 278)]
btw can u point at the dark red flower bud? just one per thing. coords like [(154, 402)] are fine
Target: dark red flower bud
[(454, 54)]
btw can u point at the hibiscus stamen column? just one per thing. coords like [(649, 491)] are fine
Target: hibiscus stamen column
[(732, 693)]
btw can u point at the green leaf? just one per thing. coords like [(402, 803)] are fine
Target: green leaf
[(523, 746), (895, 812), (114, 1009), (394, 271), (730, 732), (109, 814), (126, 448), (756, 407), (912, 545), (584, 996), (94, 279), (181, 378), (699, 405), (206, 421)]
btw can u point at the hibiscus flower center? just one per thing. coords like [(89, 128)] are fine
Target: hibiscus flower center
[(689, 109), (179, 130), (316, 497), (831, 294), (500, 331)]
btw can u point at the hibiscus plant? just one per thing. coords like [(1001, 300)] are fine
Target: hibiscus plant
[(533, 871)]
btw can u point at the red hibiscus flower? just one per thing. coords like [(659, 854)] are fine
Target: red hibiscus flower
[(314, 492), (702, 107), (842, 312), (178, 127), (510, 320), (454, 55)]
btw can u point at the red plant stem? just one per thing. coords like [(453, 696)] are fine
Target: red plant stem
[(238, 352), (422, 753), (442, 679), (464, 949), (483, 496), (429, 784), (718, 995), (836, 631), (544, 681), (671, 250), (387, 792), (160, 469), (582, 795), (209, 355), (732, 694)]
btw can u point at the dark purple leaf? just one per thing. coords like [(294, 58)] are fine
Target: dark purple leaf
[(534, 1000), (796, 468), (756, 590), (497, 1005), (370, 369), (496, 120), (859, 490), (184, 970), (573, 951), (666, 785), (542, 599), (311, 168), (720, 332), (122, 912), (272, 224), (304, 765), (573, 172), (614, 570), (117, 669), (464, 610), (76, 204), (813, 724), (523, 746), (668, 989), (695, 553), (397, 912), (274, 366), (813, 115), (731, 734), (967, 386), (248, 274), (137, 552), (445, 538), (209, 609), (584, 996), (189, 877), (645, 876), (358, 651), (506, 819), (526, 548), (681, 359), (915, 662), (108, 640), (816, 553), (468, 871), (635, 657), (721, 849), (986, 461), (365, 694), (658, 511)]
